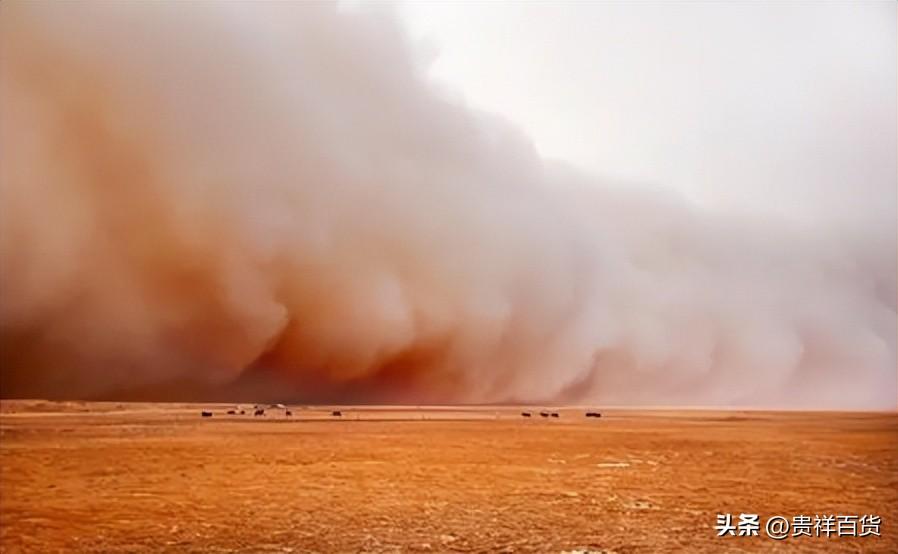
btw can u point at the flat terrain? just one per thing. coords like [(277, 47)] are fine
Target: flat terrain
[(106, 477)]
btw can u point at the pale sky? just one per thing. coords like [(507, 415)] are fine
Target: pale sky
[(314, 201), (787, 108)]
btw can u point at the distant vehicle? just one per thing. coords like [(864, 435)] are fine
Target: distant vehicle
[(544, 414), (337, 413), (554, 414), (525, 414), (593, 414), (206, 414), (259, 412)]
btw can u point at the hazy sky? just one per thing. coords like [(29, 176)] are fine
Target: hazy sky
[(294, 201), (787, 107)]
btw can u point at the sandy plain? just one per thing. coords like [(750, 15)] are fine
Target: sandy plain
[(142, 477)]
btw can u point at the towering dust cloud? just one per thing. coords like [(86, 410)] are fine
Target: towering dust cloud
[(267, 199)]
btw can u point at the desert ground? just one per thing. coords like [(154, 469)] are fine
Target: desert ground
[(141, 477)]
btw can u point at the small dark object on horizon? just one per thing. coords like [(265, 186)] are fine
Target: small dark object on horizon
[(554, 414), (232, 412), (525, 414), (259, 412), (289, 413), (544, 414), (593, 414), (336, 413), (206, 414), (242, 412)]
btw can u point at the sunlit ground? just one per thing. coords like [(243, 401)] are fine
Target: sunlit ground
[(106, 477)]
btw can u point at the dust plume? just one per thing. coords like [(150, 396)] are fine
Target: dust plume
[(272, 199)]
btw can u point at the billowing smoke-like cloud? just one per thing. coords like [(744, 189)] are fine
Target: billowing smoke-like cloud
[(273, 198)]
